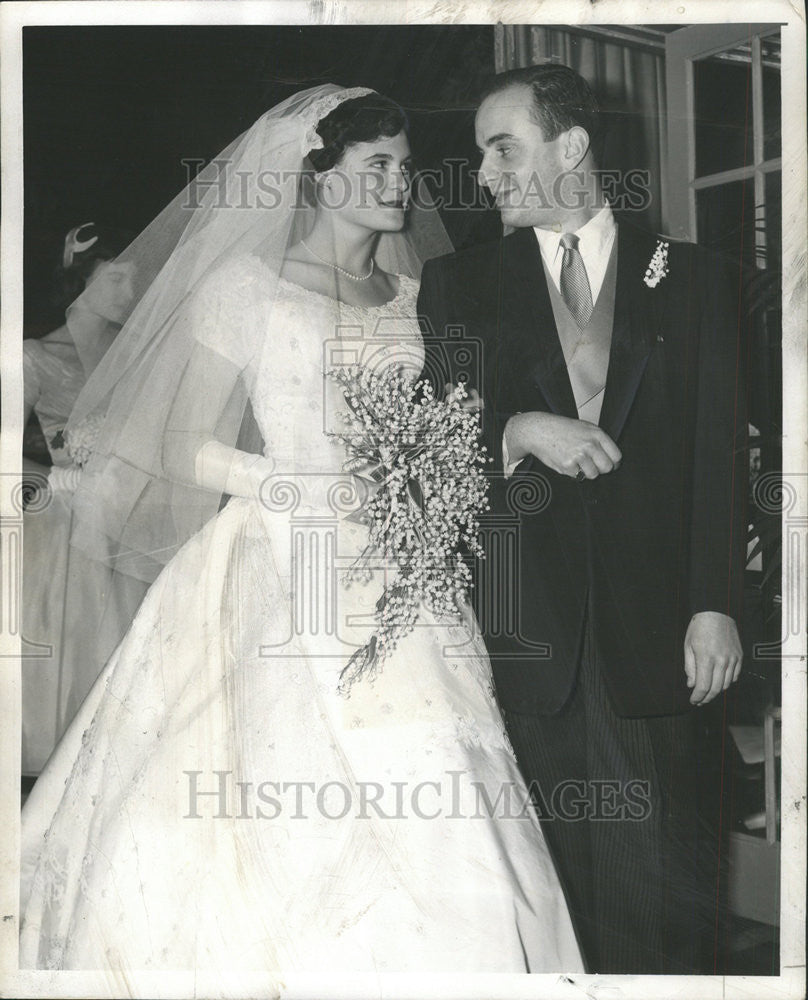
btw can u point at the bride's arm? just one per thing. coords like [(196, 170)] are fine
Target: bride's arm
[(229, 470), (211, 387)]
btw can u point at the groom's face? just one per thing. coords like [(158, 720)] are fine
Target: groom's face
[(521, 169)]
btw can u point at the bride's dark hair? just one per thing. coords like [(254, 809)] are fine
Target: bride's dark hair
[(361, 119)]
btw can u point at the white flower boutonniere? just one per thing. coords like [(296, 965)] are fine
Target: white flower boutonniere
[(658, 265)]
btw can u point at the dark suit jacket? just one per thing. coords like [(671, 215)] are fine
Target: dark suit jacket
[(655, 541)]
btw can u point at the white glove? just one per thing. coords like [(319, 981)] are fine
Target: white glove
[(64, 479), (227, 470)]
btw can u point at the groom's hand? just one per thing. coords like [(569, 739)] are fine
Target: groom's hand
[(713, 655), (564, 445)]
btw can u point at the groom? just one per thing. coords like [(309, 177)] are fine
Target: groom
[(612, 379)]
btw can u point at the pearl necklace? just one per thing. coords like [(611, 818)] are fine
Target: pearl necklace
[(342, 270)]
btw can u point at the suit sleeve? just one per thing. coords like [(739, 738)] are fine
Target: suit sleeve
[(721, 466), (500, 406), (432, 318), (446, 301)]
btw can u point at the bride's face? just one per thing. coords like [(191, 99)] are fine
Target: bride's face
[(371, 183)]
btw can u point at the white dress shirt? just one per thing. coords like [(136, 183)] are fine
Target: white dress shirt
[(595, 240)]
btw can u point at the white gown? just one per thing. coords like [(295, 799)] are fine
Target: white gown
[(218, 805)]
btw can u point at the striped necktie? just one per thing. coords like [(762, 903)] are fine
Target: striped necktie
[(575, 288)]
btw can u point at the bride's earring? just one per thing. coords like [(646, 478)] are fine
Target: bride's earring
[(325, 188)]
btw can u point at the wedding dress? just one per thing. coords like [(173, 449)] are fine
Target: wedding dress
[(217, 803)]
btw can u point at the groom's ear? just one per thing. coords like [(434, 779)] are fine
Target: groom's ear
[(576, 146)]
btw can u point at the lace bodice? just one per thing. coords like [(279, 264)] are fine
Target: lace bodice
[(294, 402), (284, 346)]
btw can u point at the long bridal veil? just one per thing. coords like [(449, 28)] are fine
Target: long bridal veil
[(254, 199), (133, 511)]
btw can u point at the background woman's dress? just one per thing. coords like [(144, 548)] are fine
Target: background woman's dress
[(74, 609), (218, 811)]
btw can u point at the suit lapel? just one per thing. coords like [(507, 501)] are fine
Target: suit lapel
[(528, 326), (530, 339), (637, 314)]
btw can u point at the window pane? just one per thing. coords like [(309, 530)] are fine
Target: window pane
[(726, 220), (774, 222), (769, 315), (770, 58), (723, 109)]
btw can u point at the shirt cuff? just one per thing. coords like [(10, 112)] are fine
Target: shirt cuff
[(508, 467)]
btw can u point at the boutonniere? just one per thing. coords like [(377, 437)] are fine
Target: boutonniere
[(658, 265)]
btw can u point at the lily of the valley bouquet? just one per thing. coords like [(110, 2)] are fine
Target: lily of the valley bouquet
[(422, 463)]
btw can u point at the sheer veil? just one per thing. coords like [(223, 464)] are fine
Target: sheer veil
[(132, 509), (94, 319), (204, 275)]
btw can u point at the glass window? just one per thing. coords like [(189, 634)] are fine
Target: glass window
[(774, 221), (722, 87), (770, 69), (726, 219)]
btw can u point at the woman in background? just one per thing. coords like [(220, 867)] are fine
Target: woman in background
[(70, 614)]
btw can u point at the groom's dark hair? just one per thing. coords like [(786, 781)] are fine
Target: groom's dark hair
[(561, 99)]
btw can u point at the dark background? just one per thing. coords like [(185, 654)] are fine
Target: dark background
[(111, 112)]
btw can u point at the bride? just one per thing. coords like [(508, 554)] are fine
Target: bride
[(218, 803)]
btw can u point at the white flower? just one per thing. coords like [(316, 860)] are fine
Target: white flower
[(80, 440), (422, 462), (658, 265)]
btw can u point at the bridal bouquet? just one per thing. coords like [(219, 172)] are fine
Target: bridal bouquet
[(80, 440), (423, 465)]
